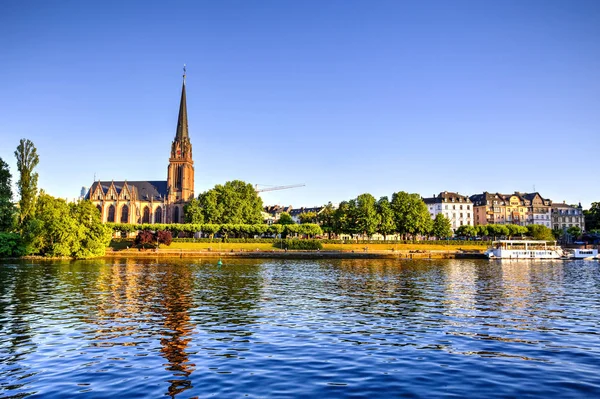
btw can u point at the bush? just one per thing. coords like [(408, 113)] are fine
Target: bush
[(307, 245), (11, 245)]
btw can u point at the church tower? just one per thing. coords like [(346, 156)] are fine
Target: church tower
[(180, 174)]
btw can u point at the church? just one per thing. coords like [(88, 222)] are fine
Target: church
[(152, 201)]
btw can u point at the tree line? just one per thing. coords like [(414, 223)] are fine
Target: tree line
[(405, 215), (42, 224), (226, 230)]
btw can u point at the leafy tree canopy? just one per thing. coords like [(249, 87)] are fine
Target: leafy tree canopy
[(7, 208), (385, 217), (233, 202), (27, 160), (285, 218), (592, 217), (442, 228)]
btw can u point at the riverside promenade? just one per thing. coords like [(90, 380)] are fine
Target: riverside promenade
[(296, 254)]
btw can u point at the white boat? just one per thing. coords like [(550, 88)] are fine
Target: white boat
[(587, 254), (524, 249)]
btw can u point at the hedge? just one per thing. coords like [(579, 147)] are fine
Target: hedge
[(309, 245)]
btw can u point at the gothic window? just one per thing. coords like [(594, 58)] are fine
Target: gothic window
[(111, 214), (124, 214), (146, 217), (178, 176), (158, 215), (99, 210), (176, 215)]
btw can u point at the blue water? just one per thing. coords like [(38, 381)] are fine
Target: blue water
[(264, 328)]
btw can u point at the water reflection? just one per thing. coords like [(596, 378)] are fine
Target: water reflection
[(187, 328)]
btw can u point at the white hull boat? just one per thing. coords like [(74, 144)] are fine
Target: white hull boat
[(524, 249)]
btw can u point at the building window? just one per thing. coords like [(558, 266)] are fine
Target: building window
[(99, 210), (111, 214), (176, 215), (125, 214), (146, 217), (158, 215)]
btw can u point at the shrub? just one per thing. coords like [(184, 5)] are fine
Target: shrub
[(11, 245), (309, 245)]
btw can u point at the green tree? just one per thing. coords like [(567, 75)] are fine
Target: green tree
[(466, 230), (285, 218), (574, 232), (234, 202), (92, 235), (7, 208), (442, 228), (11, 245), (66, 230), (410, 214), (192, 212), (539, 232), (326, 219), (27, 160), (308, 217), (592, 217), (385, 214), (366, 215), (341, 218), (482, 230)]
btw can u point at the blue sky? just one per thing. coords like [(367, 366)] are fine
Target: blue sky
[(345, 96)]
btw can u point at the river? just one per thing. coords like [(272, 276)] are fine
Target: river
[(308, 329)]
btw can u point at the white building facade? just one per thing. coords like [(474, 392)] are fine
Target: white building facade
[(455, 207)]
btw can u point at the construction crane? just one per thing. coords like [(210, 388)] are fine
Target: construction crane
[(274, 188)]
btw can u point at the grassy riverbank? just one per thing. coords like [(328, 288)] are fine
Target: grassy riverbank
[(267, 250), (265, 246)]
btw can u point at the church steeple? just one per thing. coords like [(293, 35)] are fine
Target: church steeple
[(182, 122), (180, 174)]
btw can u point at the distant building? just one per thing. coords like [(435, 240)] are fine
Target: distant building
[(518, 208), (565, 216), (295, 213), (152, 201), (273, 212), (455, 207)]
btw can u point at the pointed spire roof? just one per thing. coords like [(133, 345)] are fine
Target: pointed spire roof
[(182, 122)]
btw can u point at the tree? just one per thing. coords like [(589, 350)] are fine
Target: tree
[(235, 202), (285, 218), (144, 238), (11, 244), (466, 230), (574, 232), (27, 160), (92, 235), (482, 230), (442, 227), (308, 217), (164, 237), (386, 217), (326, 219), (7, 208), (192, 212), (366, 215), (410, 214), (66, 230), (539, 232), (592, 217)]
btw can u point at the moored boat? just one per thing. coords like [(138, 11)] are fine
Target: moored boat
[(524, 249), (587, 254)]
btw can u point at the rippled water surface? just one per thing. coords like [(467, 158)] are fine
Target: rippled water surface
[(258, 328)]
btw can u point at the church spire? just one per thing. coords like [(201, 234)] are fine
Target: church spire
[(182, 122)]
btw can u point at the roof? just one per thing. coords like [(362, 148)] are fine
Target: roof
[(143, 190), (298, 211), (182, 121), (447, 196)]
